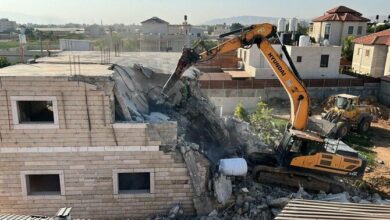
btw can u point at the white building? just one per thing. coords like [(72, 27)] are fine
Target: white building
[(312, 62), (7, 25), (159, 35), (220, 29)]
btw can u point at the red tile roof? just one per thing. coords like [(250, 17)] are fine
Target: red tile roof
[(343, 9), (341, 13), (379, 38)]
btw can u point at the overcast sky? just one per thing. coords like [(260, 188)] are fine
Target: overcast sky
[(198, 11)]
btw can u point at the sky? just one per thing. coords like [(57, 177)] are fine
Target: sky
[(198, 11)]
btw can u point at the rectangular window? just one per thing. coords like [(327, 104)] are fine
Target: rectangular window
[(367, 53), (34, 112), (360, 30), (311, 27), (327, 31), (324, 60), (299, 59), (127, 182), (134, 182), (359, 50), (41, 184), (350, 29)]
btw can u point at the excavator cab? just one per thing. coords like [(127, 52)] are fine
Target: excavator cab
[(298, 143), (308, 151)]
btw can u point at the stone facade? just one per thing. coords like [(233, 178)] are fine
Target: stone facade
[(86, 148), (370, 60)]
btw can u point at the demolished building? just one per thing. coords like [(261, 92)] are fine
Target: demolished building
[(70, 137)]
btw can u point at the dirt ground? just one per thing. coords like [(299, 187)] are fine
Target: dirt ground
[(379, 176)]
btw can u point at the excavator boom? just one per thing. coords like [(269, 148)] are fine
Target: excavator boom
[(299, 148)]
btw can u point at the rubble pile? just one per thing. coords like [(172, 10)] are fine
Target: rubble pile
[(203, 139), (251, 200)]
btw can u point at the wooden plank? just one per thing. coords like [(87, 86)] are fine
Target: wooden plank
[(340, 213), (316, 209), (338, 203), (333, 207), (303, 216)]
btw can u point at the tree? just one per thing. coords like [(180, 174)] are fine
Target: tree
[(261, 121), (374, 28), (236, 26), (4, 62), (347, 49), (303, 28), (240, 112)]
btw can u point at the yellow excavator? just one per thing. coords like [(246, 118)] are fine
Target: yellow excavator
[(302, 154)]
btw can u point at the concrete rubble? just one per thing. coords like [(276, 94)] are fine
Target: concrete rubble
[(203, 139)]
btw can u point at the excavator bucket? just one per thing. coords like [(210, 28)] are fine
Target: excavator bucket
[(322, 127), (187, 59)]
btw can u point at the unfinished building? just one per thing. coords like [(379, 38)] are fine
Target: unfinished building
[(70, 137)]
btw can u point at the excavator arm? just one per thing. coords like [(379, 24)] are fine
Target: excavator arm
[(255, 34), (311, 153)]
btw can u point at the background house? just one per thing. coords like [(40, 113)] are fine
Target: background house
[(372, 55), (7, 25), (336, 24), (312, 62), (159, 35)]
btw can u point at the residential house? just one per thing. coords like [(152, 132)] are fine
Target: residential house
[(7, 25), (372, 55), (159, 35), (68, 139), (336, 24), (312, 62)]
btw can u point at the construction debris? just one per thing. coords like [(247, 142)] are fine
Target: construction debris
[(204, 138), (222, 188)]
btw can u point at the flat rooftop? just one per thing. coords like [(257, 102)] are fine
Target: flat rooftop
[(159, 62), (50, 69), (89, 63)]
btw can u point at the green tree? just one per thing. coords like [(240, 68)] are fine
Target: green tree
[(303, 29), (373, 28), (347, 49), (240, 112), (261, 121), (236, 26), (4, 62)]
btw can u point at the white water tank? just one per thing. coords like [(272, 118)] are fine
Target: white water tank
[(233, 167), (281, 25), (293, 25), (304, 41), (326, 42)]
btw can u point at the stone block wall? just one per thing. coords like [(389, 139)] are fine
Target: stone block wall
[(86, 147)]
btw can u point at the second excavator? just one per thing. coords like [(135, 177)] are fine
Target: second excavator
[(304, 156)]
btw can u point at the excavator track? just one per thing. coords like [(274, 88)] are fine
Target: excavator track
[(292, 178)]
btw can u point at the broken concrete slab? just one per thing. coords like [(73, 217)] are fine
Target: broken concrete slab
[(222, 187), (339, 197), (279, 202)]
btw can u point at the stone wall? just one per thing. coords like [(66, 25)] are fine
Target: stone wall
[(227, 99), (88, 182), (86, 147)]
